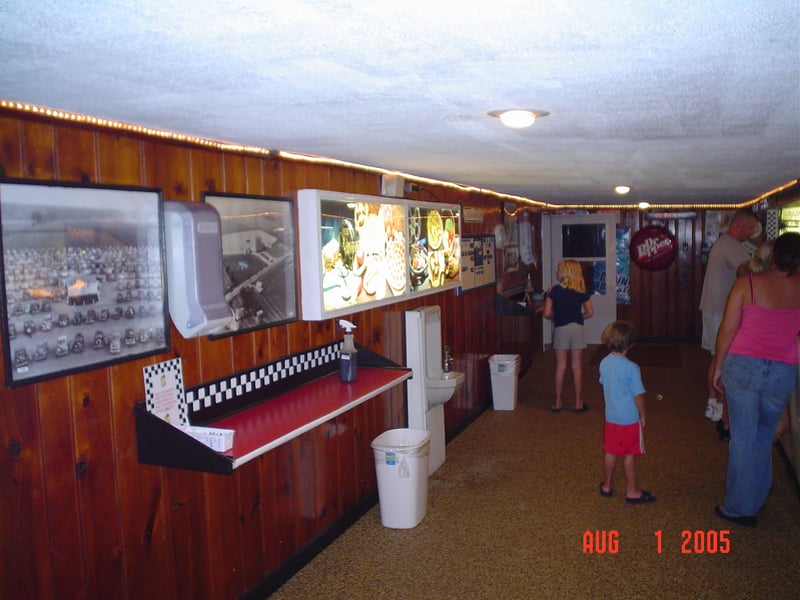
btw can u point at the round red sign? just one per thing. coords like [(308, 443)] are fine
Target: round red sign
[(653, 248)]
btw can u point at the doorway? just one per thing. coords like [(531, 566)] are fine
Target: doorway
[(591, 240)]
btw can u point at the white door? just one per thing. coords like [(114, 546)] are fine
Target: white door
[(591, 240)]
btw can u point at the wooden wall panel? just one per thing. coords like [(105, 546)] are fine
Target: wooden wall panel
[(75, 152), (10, 147), (119, 159), (38, 152), (223, 524), (90, 401), (26, 566), (285, 514), (66, 539), (189, 533), (270, 496), (169, 167), (249, 555)]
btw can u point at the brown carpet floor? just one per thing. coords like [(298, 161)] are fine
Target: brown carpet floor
[(666, 356), (509, 510)]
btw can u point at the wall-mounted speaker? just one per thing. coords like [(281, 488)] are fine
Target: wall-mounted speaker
[(195, 283)]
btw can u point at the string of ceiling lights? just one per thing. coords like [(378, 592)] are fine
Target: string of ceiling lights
[(511, 117)]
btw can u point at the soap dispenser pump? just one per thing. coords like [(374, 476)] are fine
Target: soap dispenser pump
[(348, 356)]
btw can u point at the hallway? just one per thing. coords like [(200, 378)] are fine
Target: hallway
[(509, 510)]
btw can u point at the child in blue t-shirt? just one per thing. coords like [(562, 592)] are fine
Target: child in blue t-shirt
[(623, 392)]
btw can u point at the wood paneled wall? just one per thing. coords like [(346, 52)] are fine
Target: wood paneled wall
[(665, 303), (81, 518)]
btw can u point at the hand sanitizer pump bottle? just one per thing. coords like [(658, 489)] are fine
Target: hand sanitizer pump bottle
[(348, 357)]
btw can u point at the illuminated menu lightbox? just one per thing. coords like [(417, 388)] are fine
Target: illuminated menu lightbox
[(358, 252)]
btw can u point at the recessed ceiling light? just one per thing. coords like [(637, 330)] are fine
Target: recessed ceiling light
[(518, 117), (644, 205), (622, 189)]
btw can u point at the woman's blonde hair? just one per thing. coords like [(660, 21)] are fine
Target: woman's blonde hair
[(570, 275), (759, 262)]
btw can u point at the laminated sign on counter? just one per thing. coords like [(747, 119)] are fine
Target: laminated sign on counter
[(163, 391), (164, 398)]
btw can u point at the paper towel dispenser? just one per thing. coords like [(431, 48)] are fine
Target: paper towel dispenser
[(195, 283)]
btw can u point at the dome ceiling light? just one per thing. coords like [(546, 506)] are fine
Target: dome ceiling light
[(518, 118), (622, 189)]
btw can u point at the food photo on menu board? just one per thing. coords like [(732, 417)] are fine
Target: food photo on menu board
[(363, 252), (434, 246)]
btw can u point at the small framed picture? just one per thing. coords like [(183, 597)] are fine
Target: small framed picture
[(83, 278), (258, 258)]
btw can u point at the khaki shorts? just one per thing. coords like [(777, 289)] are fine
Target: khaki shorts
[(711, 322), (569, 337)]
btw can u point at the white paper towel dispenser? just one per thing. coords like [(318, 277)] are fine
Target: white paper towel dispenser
[(195, 282)]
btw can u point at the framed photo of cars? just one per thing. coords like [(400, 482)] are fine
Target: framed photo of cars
[(83, 280), (258, 258)]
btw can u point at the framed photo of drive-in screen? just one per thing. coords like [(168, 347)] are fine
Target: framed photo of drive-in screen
[(83, 277), (258, 259)]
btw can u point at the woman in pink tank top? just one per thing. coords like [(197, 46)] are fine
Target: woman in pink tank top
[(756, 365)]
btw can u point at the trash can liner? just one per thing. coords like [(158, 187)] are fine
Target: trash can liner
[(505, 363)]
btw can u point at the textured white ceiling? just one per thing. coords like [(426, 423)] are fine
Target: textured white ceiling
[(684, 100)]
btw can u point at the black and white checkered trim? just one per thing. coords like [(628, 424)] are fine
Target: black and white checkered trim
[(235, 386), (773, 223)]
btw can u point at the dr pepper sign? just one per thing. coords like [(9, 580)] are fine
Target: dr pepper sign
[(653, 248)]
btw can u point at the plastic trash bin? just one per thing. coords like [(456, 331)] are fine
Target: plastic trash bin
[(504, 370), (401, 464)]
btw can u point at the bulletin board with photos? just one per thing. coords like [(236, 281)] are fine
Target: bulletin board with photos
[(477, 262)]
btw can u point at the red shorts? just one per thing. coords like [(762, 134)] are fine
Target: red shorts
[(623, 440)]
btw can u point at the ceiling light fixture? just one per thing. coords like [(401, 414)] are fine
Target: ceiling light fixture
[(518, 118), (644, 205), (622, 189)]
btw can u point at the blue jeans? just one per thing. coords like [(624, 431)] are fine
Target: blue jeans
[(757, 392)]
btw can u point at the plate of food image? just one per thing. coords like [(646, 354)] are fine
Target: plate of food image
[(436, 266), (418, 264), (435, 230), (449, 234), (396, 264)]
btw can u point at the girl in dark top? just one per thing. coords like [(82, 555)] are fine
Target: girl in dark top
[(568, 304)]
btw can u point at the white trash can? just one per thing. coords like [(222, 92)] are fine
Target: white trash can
[(401, 464), (504, 369)]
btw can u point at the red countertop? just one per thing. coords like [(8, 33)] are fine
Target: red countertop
[(274, 422)]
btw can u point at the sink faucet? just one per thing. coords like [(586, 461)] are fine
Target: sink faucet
[(447, 364)]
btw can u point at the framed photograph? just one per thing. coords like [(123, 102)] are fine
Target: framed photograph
[(83, 278), (258, 258)]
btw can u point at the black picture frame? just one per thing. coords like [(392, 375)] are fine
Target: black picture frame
[(83, 277), (259, 260)]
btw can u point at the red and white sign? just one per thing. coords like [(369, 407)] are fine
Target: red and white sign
[(653, 248)]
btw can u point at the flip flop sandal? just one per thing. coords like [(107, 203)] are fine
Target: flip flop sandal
[(644, 498)]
